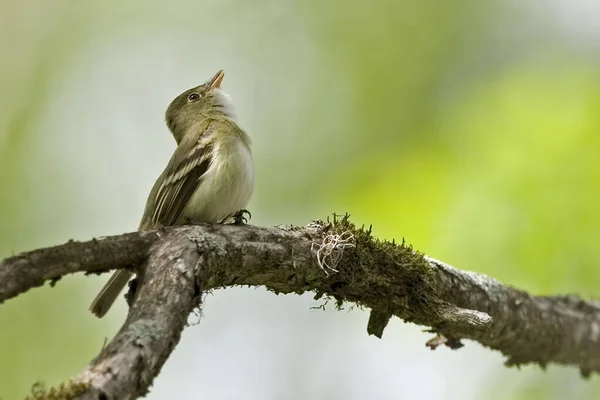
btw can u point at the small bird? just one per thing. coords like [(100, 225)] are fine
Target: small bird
[(209, 178)]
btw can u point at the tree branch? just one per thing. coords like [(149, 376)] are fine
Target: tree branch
[(176, 265), (32, 269)]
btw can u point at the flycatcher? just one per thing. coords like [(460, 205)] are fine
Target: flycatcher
[(210, 177)]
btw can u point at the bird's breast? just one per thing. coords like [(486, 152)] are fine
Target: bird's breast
[(226, 187)]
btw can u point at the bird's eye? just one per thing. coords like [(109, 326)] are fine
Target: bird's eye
[(193, 97)]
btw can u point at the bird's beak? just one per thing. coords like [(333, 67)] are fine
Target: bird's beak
[(216, 80)]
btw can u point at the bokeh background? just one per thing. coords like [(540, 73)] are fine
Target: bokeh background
[(470, 128)]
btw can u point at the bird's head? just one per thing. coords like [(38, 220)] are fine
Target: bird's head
[(193, 105)]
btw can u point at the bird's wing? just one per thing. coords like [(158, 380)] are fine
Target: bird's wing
[(180, 179)]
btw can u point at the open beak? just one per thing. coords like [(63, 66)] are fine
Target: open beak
[(216, 80)]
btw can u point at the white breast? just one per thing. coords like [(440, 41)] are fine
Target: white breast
[(226, 187)]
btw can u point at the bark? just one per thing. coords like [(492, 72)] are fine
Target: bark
[(176, 265)]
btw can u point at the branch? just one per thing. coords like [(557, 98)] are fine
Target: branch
[(176, 265), (32, 269)]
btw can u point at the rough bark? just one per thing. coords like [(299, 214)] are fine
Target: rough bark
[(175, 266)]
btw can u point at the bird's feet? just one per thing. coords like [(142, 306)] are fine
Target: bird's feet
[(239, 217), (191, 221)]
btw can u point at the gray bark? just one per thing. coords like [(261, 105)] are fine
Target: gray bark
[(175, 266)]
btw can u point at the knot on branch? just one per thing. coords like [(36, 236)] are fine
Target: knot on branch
[(462, 318)]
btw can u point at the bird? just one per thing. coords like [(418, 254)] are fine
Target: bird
[(209, 178)]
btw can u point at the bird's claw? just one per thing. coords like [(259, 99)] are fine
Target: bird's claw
[(191, 221), (239, 217)]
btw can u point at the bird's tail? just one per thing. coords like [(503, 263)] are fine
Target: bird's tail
[(107, 296)]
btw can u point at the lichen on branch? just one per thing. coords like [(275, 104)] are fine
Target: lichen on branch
[(333, 259)]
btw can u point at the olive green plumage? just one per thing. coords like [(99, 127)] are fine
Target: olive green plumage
[(209, 178)]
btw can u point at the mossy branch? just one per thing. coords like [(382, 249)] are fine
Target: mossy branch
[(333, 259)]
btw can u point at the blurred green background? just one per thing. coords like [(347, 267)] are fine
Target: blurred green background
[(469, 128)]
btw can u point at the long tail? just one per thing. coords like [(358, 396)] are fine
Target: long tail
[(107, 296)]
